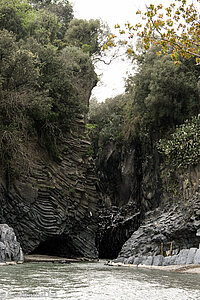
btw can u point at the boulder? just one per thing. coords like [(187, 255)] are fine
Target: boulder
[(148, 261), (119, 260), (130, 260), (138, 260), (191, 255), (182, 257), (174, 259), (167, 261), (10, 250), (197, 257), (2, 252), (158, 260), (143, 260)]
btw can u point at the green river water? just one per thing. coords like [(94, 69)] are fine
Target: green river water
[(94, 281)]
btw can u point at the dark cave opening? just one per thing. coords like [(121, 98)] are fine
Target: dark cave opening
[(109, 247), (110, 243), (110, 240), (60, 246)]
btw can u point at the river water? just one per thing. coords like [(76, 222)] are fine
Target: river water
[(94, 281)]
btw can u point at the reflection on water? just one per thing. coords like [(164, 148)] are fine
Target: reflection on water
[(94, 281)]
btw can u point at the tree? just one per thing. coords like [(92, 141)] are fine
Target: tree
[(46, 21), (105, 121), (175, 28), (41, 93), (163, 95), (44, 81), (11, 21), (62, 9), (87, 35), (182, 149)]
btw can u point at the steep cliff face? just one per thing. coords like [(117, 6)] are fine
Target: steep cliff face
[(174, 225), (53, 208), (130, 185), (157, 210), (119, 174), (47, 179), (129, 174), (115, 226)]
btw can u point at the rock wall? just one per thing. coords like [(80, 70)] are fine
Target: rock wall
[(54, 208), (129, 174), (115, 226), (130, 185), (169, 228), (119, 174), (185, 257), (169, 212)]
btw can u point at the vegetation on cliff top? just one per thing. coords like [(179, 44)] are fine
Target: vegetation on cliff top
[(46, 74), (46, 67), (156, 122), (159, 96), (182, 149)]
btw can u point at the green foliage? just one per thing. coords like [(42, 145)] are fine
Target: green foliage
[(46, 21), (87, 35), (45, 80), (16, 9), (106, 119), (182, 149), (43, 25), (10, 20), (163, 94), (48, 2), (64, 12), (40, 93), (159, 97)]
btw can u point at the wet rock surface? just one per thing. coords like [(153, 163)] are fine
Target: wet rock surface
[(118, 174), (10, 250)]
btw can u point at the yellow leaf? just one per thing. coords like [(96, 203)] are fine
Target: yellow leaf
[(197, 60)]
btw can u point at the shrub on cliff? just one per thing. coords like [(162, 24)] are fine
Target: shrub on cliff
[(164, 94), (182, 149), (159, 96), (105, 120), (44, 82)]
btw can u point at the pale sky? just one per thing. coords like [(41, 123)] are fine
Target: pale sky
[(111, 12)]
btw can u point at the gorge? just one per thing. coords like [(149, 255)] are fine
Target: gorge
[(118, 180)]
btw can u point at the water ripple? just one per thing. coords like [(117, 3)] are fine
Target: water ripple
[(94, 281)]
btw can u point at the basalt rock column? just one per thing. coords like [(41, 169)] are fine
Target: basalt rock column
[(56, 203)]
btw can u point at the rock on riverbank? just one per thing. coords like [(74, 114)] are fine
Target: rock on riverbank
[(194, 269), (10, 250), (185, 257), (170, 231)]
